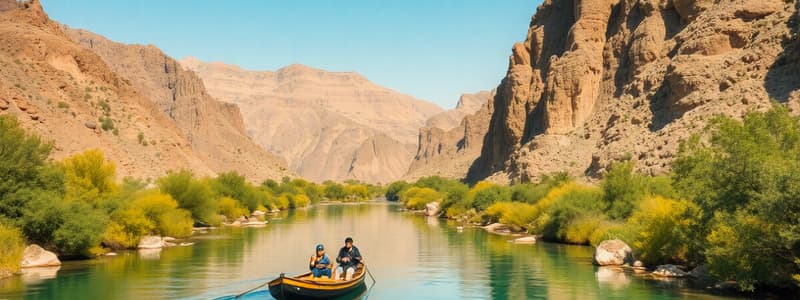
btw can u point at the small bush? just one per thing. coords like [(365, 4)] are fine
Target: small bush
[(662, 228), (127, 229), (356, 192), (581, 229), (12, 249), (416, 197), (484, 194), (514, 214), (230, 208), (299, 200), (63, 105), (191, 194), (394, 190)]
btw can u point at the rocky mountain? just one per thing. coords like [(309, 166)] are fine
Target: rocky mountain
[(73, 97), (327, 125), (601, 80), (214, 128), (449, 151), (467, 104)]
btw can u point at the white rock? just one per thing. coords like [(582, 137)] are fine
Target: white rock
[(151, 242), (525, 240), (432, 209), (613, 253), (168, 239), (498, 228), (669, 271), (258, 213), (35, 256)]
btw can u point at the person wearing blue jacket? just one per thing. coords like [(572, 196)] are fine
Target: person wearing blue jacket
[(320, 264)]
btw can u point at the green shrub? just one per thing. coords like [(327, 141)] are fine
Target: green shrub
[(745, 248), (88, 177), (299, 200), (356, 192), (106, 123), (575, 202), (484, 194), (21, 166), (334, 191), (581, 228), (514, 214), (394, 190), (193, 195), (622, 190), (235, 186), (163, 211), (529, 193), (12, 249), (231, 208), (82, 229), (176, 223), (662, 227), (127, 229), (417, 198)]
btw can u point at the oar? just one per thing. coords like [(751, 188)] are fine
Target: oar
[(369, 290), (251, 290)]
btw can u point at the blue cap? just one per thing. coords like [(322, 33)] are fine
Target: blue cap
[(320, 247)]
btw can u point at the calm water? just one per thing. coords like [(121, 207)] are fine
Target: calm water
[(411, 257)]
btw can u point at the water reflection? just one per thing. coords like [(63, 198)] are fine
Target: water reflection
[(409, 255)]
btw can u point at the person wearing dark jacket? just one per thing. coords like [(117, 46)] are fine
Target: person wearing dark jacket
[(349, 257), (320, 264)]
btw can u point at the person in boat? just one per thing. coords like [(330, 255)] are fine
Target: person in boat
[(320, 265), (349, 258)]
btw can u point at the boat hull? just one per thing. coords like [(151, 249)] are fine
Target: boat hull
[(303, 287)]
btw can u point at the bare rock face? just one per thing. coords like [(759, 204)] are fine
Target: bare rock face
[(214, 128), (326, 125), (450, 153), (35, 256), (633, 78), (43, 67)]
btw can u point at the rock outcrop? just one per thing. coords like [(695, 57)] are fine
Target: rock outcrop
[(450, 153), (613, 253), (35, 256), (598, 80), (327, 125), (214, 128), (669, 271), (74, 98)]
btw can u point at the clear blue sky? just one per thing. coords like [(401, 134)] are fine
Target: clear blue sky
[(431, 49)]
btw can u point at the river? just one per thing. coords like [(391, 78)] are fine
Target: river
[(411, 257)]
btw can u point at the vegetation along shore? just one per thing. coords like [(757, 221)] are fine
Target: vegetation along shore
[(77, 209), (730, 207)]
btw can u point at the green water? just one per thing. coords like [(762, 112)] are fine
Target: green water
[(411, 257)]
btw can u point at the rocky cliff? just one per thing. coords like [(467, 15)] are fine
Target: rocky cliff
[(214, 128), (69, 95), (327, 125), (600, 80), (449, 151)]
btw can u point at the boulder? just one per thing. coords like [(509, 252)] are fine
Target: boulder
[(168, 239), (525, 240), (35, 256), (498, 228), (151, 242), (638, 264), (3, 104), (613, 253), (432, 209), (700, 271), (91, 125), (669, 271), (258, 213)]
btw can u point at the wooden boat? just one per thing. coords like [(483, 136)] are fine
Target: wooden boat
[(305, 286)]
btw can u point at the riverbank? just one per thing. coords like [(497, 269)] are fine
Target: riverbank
[(430, 257), (727, 204)]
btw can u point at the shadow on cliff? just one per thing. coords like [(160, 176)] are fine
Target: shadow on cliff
[(783, 76)]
